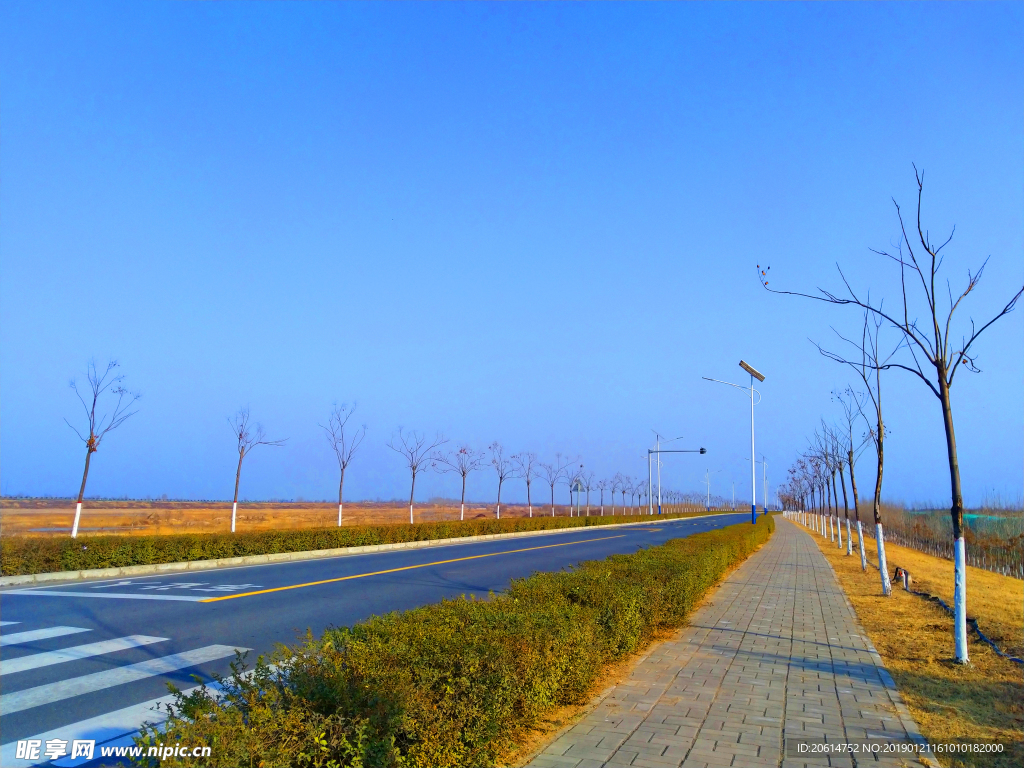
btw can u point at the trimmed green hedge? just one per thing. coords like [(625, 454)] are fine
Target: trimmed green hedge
[(48, 554), (457, 683)]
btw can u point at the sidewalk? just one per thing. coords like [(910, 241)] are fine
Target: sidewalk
[(775, 652)]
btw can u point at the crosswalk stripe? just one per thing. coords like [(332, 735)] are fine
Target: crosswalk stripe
[(37, 660), (115, 728), (77, 686), (38, 634), (102, 728)]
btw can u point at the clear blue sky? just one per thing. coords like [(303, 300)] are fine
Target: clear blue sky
[(533, 223)]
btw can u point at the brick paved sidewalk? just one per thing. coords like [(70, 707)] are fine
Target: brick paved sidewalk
[(776, 652)]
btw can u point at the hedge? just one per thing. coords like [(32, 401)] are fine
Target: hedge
[(48, 554), (457, 683)]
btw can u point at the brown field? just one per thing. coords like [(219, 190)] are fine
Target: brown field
[(41, 517), (983, 700)]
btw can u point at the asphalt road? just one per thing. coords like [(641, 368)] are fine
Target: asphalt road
[(79, 660)]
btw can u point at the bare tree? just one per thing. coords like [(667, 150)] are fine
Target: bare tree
[(504, 466), (614, 485), (414, 448), (602, 485), (571, 478), (344, 446), (248, 437), (552, 474), (587, 478), (526, 469), (868, 365), (852, 404), (625, 484), (935, 357), (98, 426), (462, 462)]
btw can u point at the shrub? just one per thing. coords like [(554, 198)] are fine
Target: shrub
[(39, 554), (458, 682)]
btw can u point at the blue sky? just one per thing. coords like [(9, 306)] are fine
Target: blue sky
[(533, 223)]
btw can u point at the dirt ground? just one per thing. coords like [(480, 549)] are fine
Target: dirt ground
[(983, 700), (41, 517)]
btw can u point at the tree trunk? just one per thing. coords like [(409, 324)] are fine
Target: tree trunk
[(956, 512), (341, 489), (81, 491), (856, 512), (529, 503), (462, 509), (498, 510), (412, 493), (846, 513), (883, 567), (588, 502), (234, 503), (552, 500)]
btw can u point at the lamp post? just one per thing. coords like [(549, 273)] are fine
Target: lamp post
[(657, 447), (754, 374), (764, 483), (707, 482)]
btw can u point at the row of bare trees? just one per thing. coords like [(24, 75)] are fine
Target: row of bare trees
[(929, 346), (419, 452)]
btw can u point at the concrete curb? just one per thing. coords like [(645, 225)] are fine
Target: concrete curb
[(284, 557)]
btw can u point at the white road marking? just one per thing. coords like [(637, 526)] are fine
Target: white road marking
[(110, 729), (78, 686), (38, 634), (115, 595), (37, 660), (8, 623)]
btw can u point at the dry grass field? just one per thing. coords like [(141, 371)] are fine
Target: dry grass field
[(983, 700), (40, 517)]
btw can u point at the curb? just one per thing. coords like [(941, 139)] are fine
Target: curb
[(284, 557)]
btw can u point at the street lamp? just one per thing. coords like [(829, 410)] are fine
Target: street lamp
[(754, 374), (657, 443), (707, 482)]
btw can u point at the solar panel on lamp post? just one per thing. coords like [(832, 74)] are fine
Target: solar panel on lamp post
[(754, 374)]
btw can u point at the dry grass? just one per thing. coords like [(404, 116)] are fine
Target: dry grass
[(950, 702), (39, 517)]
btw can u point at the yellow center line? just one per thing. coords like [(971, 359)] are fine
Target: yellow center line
[(403, 568)]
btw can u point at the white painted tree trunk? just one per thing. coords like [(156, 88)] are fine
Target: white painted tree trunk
[(462, 513), (849, 538), (960, 600), (839, 532), (499, 511), (863, 553), (882, 565), (832, 528), (340, 508), (78, 516), (531, 510), (234, 513), (410, 515)]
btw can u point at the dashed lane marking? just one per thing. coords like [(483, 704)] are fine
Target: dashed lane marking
[(404, 568)]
